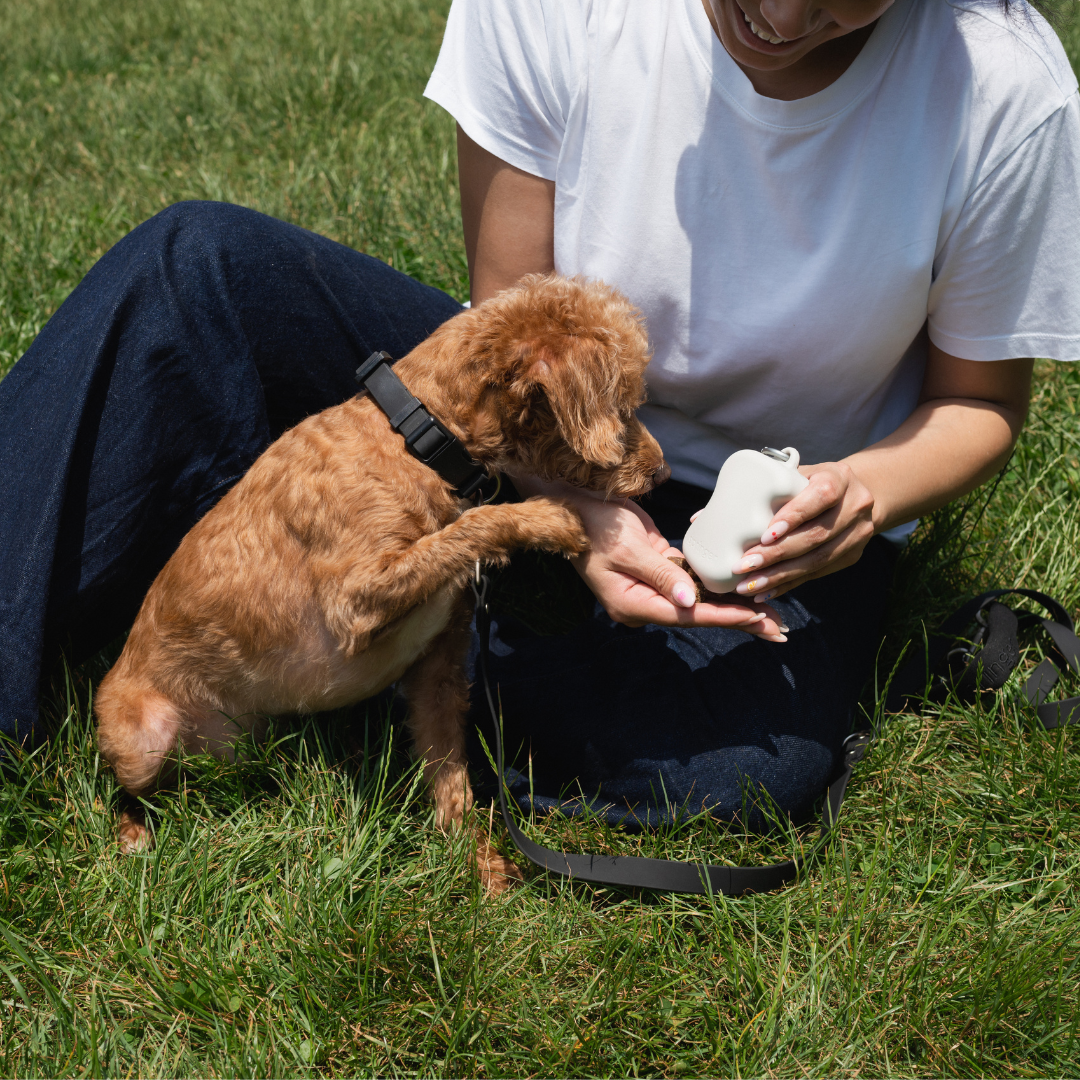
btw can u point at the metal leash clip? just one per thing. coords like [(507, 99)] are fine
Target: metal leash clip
[(855, 746), (493, 496), (480, 584)]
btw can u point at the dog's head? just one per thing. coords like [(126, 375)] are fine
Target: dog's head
[(559, 366)]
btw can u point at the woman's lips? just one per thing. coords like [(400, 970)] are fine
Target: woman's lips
[(762, 39)]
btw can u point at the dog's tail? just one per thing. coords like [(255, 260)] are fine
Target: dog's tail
[(138, 730)]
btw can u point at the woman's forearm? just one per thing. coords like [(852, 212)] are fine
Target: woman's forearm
[(946, 448)]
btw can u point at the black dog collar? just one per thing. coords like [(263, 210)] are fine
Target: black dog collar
[(427, 440)]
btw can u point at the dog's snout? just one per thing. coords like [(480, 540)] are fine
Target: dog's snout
[(661, 474)]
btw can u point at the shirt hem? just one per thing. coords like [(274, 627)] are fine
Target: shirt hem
[(1063, 347)]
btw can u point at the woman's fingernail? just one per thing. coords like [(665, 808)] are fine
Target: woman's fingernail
[(778, 638), (745, 588), (761, 598), (784, 629), (774, 533), (684, 596), (751, 562), (759, 617)]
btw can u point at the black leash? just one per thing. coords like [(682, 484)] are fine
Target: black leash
[(967, 673), (426, 439), (660, 874)]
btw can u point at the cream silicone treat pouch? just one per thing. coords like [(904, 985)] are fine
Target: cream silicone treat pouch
[(750, 489)]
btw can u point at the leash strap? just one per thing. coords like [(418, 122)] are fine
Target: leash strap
[(968, 673), (426, 439), (993, 655), (659, 874)]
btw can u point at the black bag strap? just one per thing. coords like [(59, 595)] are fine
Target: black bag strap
[(946, 666), (426, 439), (659, 874)]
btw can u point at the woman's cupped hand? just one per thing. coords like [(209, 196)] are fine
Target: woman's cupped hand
[(629, 569)]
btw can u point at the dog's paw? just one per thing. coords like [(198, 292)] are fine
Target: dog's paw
[(497, 873), (555, 525), (132, 834), (452, 795)]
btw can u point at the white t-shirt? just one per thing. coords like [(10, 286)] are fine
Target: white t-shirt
[(787, 255)]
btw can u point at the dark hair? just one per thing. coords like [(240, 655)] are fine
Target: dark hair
[(1053, 11)]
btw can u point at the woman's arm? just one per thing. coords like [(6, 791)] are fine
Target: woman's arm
[(508, 218), (968, 419)]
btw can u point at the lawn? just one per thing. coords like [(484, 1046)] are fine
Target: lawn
[(300, 915)]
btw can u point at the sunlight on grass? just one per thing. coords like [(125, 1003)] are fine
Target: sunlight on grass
[(310, 112), (299, 915)]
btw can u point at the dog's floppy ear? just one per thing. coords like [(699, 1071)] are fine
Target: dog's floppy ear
[(580, 382)]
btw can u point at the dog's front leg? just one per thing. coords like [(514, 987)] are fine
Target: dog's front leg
[(438, 695), (487, 533)]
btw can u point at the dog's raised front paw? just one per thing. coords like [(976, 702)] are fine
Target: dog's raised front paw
[(554, 525)]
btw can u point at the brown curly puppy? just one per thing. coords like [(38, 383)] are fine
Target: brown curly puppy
[(339, 564)]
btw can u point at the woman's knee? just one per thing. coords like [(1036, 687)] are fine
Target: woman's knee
[(194, 234)]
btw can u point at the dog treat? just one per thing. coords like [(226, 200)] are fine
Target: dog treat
[(701, 594)]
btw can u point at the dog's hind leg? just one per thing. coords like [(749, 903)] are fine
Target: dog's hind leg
[(438, 695), (140, 732)]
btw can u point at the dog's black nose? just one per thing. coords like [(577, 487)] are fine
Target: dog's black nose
[(661, 474)]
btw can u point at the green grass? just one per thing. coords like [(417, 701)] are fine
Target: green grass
[(309, 111), (299, 915)]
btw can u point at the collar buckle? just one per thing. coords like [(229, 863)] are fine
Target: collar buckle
[(425, 438)]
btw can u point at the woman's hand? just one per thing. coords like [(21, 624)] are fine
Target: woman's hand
[(629, 570), (968, 419), (822, 530)]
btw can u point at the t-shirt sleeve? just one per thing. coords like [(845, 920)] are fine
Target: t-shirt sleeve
[(503, 74), (1007, 279)]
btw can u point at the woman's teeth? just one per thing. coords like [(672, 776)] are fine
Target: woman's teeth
[(761, 33)]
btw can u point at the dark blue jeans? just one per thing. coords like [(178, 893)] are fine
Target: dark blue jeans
[(192, 344), (208, 331)]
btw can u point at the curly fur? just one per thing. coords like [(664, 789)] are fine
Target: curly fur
[(338, 565)]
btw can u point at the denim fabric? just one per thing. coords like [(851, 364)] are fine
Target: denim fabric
[(190, 345), (645, 724)]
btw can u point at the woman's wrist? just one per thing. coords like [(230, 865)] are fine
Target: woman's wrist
[(528, 486)]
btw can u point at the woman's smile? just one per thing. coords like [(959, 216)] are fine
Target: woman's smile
[(764, 37), (793, 48)]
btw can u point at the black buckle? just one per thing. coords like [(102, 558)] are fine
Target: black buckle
[(473, 484), (376, 359), (422, 429), (855, 747)]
